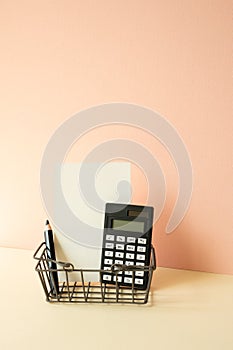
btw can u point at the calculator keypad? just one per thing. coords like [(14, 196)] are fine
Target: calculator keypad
[(119, 249)]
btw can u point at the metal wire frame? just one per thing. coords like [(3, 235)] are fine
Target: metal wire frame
[(86, 291)]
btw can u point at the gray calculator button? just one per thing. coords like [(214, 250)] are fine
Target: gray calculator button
[(130, 248), (141, 249), (129, 263), (139, 273), (141, 257), (141, 240), (120, 246), (110, 237), (138, 281), (108, 261), (120, 238), (109, 245), (131, 239), (129, 256), (119, 262), (118, 272), (140, 264), (118, 278), (107, 277), (109, 253), (107, 268), (128, 273), (119, 255), (128, 280)]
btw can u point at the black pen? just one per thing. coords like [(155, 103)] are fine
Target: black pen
[(53, 276)]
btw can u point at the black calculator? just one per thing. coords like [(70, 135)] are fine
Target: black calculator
[(126, 244)]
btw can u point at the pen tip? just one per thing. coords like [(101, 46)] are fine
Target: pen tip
[(47, 222)]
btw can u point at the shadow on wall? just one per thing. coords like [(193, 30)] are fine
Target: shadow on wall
[(179, 251)]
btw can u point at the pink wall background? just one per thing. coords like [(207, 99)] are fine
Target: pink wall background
[(175, 57)]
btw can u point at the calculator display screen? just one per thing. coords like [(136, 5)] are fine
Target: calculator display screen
[(131, 225)]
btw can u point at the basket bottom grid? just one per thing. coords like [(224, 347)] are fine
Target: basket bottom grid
[(97, 293)]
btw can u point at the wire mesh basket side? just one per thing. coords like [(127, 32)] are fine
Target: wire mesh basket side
[(85, 291)]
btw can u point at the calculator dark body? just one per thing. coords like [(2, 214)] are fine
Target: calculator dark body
[(127, 241)]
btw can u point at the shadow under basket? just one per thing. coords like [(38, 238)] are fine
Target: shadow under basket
[(84, 291)]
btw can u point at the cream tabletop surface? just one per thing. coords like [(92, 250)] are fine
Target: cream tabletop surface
[(187, 310)]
